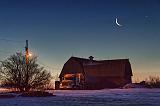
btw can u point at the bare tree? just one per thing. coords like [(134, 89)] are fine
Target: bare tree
[(14, 72), (153, 81)]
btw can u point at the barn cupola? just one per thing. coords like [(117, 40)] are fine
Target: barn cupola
[(91, 58)]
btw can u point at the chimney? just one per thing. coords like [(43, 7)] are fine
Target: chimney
[(91, 58)]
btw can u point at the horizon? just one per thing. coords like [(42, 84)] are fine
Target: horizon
[(57, 30)]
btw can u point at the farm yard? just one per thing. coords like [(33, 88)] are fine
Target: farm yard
[(110, 97)]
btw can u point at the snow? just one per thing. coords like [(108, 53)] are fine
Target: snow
[(106, 97), (131, 85)]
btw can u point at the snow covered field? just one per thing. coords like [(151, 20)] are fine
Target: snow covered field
[(107, 97)]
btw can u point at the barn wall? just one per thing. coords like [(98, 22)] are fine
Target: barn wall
[(105, 82)]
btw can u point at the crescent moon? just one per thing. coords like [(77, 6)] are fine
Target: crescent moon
[(118, 23)]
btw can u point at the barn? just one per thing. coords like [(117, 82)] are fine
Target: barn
[(81, 73)]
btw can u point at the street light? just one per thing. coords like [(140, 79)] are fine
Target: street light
[(30, 54)]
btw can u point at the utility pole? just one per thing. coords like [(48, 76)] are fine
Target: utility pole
[(27, 61), (27, 53)]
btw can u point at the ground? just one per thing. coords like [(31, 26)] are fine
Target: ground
[(110, 97)]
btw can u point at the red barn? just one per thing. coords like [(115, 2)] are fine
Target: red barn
[(80, 73)]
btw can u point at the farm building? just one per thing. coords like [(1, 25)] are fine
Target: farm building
[(81, 73)]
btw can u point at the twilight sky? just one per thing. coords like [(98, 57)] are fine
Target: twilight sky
[(58, 29)]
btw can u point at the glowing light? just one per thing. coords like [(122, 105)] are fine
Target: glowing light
[(30, 54)]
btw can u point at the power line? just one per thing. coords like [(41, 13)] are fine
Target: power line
[(5, 51), (9, 40), (15, 41), (47, 66)]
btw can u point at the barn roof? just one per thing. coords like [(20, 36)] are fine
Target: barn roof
[(114, 68)]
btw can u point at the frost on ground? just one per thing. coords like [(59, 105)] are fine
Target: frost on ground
[(107, 97)]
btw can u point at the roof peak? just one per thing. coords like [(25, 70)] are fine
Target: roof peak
[(99, 60)]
